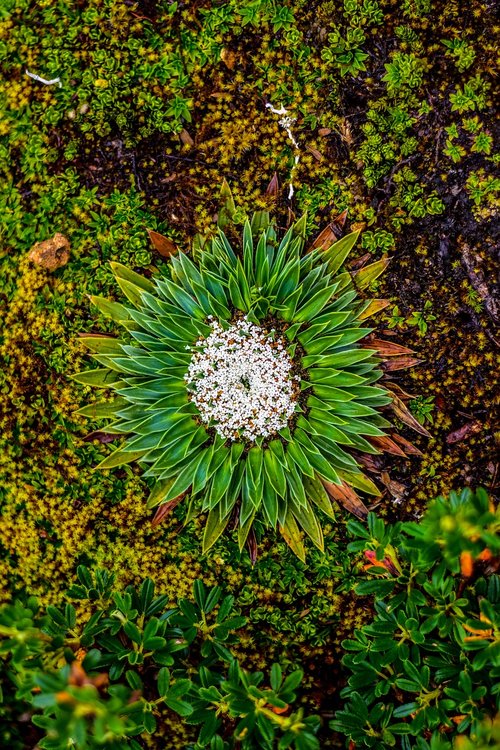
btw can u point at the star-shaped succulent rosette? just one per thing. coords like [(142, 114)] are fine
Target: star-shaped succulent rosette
[(247, 383)]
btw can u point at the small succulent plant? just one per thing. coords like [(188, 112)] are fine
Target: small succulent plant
[(246, 378)]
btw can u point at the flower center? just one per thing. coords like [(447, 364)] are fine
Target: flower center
[(241, 380)]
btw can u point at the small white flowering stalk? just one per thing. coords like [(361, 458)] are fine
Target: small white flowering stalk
[(44, 80), (241, 381), (287, 122)]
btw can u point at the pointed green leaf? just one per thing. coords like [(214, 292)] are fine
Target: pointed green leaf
[(360, 481), (244, 530), (297, 455), (114, 310), (339, 359), (299, 228), (255, 458), (100, 378), (101, 410), (228, 208), (260, 221), (337, 253), (270, 503), (274, 473), (159, 492), (291, 534), (120, 458), (364, 277), (126, 274), (213, 529), (314, 305), (373, 307), (102, 344), (317, 494), (306, 517)]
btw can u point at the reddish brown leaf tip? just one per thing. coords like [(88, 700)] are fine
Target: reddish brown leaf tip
[(273, 187), (251, 544), (385, 348), (101, 436), (163, 245), (409, 448), (386, 445), (164, 510), (471, 428), (403, 413), (346, 497), (400, 363)]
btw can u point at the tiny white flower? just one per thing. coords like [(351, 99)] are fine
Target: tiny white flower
[(241, 381)]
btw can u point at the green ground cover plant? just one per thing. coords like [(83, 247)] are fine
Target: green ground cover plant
[(108, 675), (429, 662), (104, 681)]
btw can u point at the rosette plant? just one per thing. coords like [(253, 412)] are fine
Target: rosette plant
[(245, 380)]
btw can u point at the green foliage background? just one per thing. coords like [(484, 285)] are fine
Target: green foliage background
[(158, 103)]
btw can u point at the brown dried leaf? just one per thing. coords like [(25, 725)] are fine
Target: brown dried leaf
[(408, 447), (331, 233), (386, 445), (325, 238), (324, 131), (396, 489), (400, 363), (468, 429), (273, 187), (346, 497), (102, 436), (395, 388), (372, 464), (164, 510), (356, 263), (385, 348), (186, 138), (314, 151), (403, 413), (161, 244), (290, 219), (338, 223)]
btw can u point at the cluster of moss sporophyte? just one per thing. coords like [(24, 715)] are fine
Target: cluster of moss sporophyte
[(247, 380)]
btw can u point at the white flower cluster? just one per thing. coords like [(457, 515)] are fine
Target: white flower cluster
[(241, 381)]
